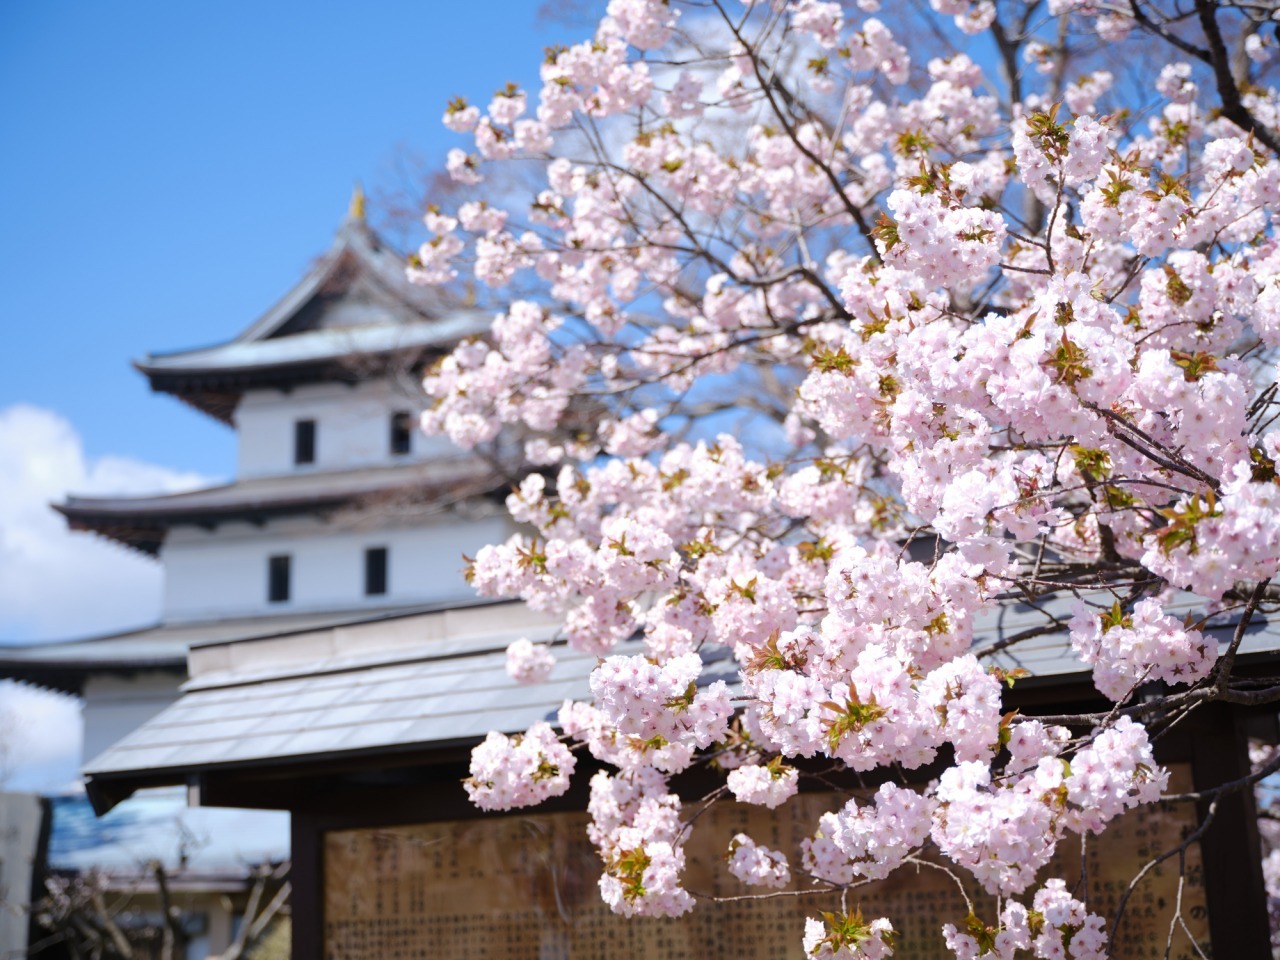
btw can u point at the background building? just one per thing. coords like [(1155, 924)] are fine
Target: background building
[(341, 513)]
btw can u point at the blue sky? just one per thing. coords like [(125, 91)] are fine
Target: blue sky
[(171, 168)]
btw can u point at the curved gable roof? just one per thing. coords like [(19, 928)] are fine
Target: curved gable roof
[(355, 302)]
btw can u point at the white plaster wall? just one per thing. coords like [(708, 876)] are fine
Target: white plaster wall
[(353, 428), (224, 572), (115, 706)]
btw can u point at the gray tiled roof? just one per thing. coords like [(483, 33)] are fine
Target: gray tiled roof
[(141, 522), (426, 702), (431, 701), (306, 489), (322, 345)]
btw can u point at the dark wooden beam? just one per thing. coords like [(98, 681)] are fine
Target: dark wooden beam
[(1231, 848), (306, 872)]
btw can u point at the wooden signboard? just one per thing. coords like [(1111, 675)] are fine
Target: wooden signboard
[(524, 888)]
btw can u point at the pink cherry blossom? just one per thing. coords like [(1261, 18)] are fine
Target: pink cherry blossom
[(529, 662), (829, 383), (757, 865)]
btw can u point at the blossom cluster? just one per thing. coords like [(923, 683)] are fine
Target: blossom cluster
[(848, 937), (655, 715), (1056, 926), (1129, 649), (845, 374), (769, 785), (869, 841), (529, 662), (519, 771), (635, 824), (757, 865)]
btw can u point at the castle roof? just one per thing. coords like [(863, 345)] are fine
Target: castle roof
[(354, 305), (142, 522)]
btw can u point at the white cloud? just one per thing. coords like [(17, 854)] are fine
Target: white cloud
[(53, 583), (40, 739)]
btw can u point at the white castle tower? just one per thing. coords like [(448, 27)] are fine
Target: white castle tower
[(340, 506), (342, 517)]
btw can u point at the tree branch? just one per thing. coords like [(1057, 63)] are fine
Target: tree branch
[(1233, 107)]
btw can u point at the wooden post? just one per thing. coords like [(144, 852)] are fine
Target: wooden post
[(1231, 848), (307, 875)]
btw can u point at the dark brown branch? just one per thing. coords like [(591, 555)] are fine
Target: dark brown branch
[(1235, 786), (256, 921), (1251, 698), (1227, 661), (174, 937), (770, 87), (1008, 47), (1233, 107), (1135, 8), (1133, 436), (108, 924)]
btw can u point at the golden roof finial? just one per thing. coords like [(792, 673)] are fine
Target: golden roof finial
[(356, 209)]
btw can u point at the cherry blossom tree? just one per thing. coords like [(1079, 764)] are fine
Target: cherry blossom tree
[(896, 317)]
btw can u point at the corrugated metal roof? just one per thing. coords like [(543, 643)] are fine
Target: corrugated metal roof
[(419, 680)]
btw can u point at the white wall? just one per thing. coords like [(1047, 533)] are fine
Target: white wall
[(115, 706), (353, 427), (224, 572)]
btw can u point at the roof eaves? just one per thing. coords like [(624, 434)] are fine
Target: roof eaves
[(108, 790), (146, 539), (287, 493), (70, 678)]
